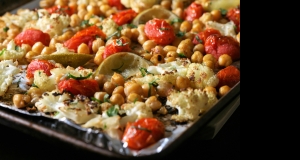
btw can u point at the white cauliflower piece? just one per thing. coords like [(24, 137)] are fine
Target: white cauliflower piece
[(52, 101), (79, 71), (79, 109), (44, 82), (53, 24), (20, 19), (189, 103), (201, 76), (109, 27), (139, 5), (135, 111), (7, 70), (109, 125), (227, 29), (178, 67), (12, 52)]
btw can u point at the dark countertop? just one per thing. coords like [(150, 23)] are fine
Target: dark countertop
[(225, 145)]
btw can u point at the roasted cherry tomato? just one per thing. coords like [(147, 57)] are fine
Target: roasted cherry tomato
[(123, 17), (160, 31), (31, 36), (39, 64), (87, 36), (201, 36), (217, 45), (143, 133), (117, 4), (86, 87), (234, 15), (229, 76), (193, 11), (117, 45), (62, 10)]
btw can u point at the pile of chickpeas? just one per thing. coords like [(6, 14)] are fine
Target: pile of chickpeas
[(119, 89)]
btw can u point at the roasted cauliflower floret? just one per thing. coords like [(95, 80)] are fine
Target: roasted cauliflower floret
[(109, 27), (42, 81), (135, 111), (53, 24), (189, 103), (139, 5), (80, 108), (12, 52), (227, 29), (201, 76), (109, 125), (8, 69)]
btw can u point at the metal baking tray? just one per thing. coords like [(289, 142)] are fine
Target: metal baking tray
[(64, 131)]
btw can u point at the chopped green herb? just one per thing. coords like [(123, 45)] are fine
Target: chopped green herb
[(131, 26), (144, 72), (117, 33), (69, 75), (118, 69), (5, 29), (113, 111), (223, 11), (198, 39), (106, 98), (181, 55), (34, 85), (84, 23), (164, 29), (180, 34), (2, 51), (177, 20), (96, 100)]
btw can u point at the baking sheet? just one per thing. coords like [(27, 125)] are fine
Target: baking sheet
[(93, 140)]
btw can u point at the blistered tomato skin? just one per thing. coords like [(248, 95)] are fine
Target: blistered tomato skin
[(217, 45), (87, 36), (143, 133), (31, 36), (194, 11), (86, 87), (117, 4), (202, 36), (234, 15), (124, 17), (39, 64), (117, 45), (160, 31), (229, 76)]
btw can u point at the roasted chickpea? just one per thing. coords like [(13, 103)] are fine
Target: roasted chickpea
[(109, 87), (21, 100), (83, 49), (148, 90), (100, 96), (210, 89), (182, 83), (120, 90), (133, 88), (117, 98), (133, 97), (153, 103), (223, 90), (117, 79), (224, 60)]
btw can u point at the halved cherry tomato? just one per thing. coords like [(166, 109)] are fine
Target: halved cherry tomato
[(62, 10), (31, 36), (201, 36), (123, 17), (193, 11), (160, 31), (39, 64), (86, 87), (117, 45), (217, 45), (143, 133), (234, 15), (117, 4), (87, 36), (229, 76)]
